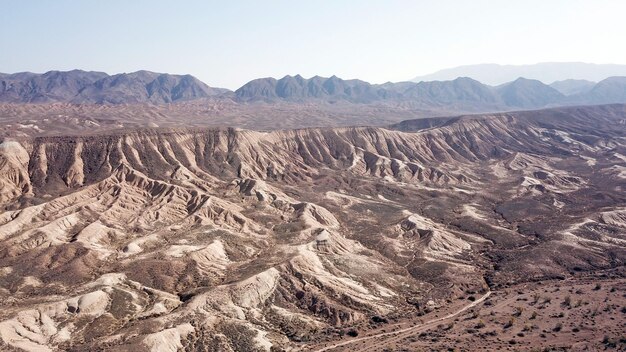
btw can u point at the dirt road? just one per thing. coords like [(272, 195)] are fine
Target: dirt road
[(407, 331)]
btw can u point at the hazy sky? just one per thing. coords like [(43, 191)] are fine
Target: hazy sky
[(227, 43)]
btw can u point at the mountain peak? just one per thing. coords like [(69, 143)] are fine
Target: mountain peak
[(528, 93)]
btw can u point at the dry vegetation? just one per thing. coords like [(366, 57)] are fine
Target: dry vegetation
[(512, 320)]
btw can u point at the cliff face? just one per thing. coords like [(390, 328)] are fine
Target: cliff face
[(435, 154), (189, 235), (70, 162)]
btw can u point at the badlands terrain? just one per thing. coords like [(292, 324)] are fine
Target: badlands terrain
[(493, 231)]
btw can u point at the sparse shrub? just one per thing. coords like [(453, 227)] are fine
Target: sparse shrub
[(558, 327), (534, 315), (509, 323), (480, 324), (536, 297), (609, 342), (597, 287), (567, 301), (379, 319), (547, 300), (518, 311), (352, 333)]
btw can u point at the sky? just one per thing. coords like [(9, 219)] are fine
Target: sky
[(228, 43)]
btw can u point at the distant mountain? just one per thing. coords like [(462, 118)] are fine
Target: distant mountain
[(462, 90), (608, 91), (26, 87), (145, 86), (528, 94), (297, 88), (546, 72), (573, 86), (462, 94), (97, 87)]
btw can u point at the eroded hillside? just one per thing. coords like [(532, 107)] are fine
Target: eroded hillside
[(230, 240)]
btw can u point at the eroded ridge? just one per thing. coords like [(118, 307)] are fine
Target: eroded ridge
[(229, 239)]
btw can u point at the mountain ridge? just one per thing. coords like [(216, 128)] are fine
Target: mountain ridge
[(547, 72), (573, 86), (462, 94), (79, 86), (299, 88)]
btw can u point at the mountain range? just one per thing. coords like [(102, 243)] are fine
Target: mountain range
[(78, 86), (547, 72), (461, 94)]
